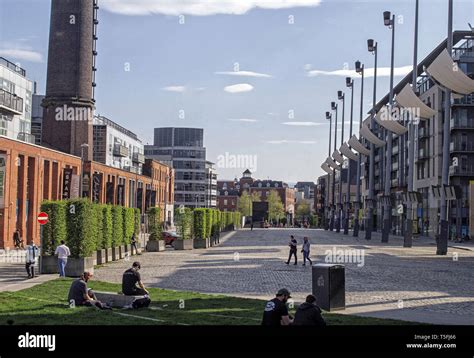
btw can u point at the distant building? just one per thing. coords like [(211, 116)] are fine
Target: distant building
[(183, 149), (116, 146), (306, 187), (37, 118), (15, 102)]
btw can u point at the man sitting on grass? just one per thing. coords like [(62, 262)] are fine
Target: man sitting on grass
[(276, 312), (309, 314), (80, 295), (130, 279)]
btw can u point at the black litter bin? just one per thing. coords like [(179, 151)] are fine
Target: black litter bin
[(329, 286)]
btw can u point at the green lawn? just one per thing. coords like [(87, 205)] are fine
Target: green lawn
[(46, 304)]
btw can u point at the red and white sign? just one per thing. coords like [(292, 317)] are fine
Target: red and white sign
[(42, 218)]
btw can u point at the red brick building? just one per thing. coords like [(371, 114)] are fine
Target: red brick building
[(30, 174)]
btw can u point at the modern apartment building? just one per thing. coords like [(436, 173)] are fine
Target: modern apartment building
[(15, 102), (116, 146), (183, 149)]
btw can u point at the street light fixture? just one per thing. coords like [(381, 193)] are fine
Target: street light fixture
[(360, 70), (328, 206), (340, 212), (349, 84), (333, 194), (389, 21), (372, 48)]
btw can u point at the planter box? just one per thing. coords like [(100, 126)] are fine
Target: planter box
[(183, 244), (108, 255), (202, 243), (115, 253), (122, 251), (76, 266), (48, 264), (155, 245), (101, 257)]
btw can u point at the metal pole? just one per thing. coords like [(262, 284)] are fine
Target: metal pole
[(442, 244), (348, 197), (387, 224), (358, 199), (328, 206), (340, 210), (333, 194), (369, 223), (408, 237)]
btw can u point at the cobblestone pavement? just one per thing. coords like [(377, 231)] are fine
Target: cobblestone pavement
[(391, 281)]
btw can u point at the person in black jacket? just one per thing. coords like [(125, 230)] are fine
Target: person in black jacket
[(309, 314)]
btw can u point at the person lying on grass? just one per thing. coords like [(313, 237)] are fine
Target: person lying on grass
[(80, 295)]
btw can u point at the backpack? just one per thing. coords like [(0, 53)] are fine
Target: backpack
[(141, 302)]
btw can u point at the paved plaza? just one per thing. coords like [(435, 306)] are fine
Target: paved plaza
[(391, 281)]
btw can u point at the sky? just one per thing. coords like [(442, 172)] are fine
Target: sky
[(257, 75)]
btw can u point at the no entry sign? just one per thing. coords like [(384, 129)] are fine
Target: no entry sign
[(42, 218)]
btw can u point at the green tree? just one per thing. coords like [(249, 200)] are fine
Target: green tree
[(303, 210), (244, 204), (276, 210)]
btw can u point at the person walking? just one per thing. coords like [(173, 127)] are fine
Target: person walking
[(306, 249), (63, 252), (293, 244), (17, 241), (32, 253), (134, 244)]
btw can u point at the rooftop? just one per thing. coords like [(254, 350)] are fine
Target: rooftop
[(11, 66)]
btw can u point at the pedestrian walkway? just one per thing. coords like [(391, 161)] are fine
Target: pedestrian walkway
[(13, 277)]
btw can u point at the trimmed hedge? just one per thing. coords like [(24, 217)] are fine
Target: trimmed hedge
[(128, 224), (209, 220), (55, 230), (183, 218), (138, 221), (154, 224), (117, 226), (215, 222), (107, 231), (200, 220), (99, 226), (81, 228)]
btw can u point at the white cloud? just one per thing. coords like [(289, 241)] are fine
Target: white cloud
[(302, 124), (244, 74), (238, 88), (286, 141), (369, 72), (199, 7), (179, 89), (21, 54), (249, 120)]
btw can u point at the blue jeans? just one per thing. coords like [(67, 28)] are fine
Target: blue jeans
[(306, 257), (62, 265)]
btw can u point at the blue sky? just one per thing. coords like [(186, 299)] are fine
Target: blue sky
[(177, 68)]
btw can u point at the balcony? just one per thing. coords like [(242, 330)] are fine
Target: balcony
[(138, 158), (461, 170), (394, 166), (423, 133), (10, 103), (120, 150), (423, 154), (131, 169), (394, 182), (461, 147), (464, 124)]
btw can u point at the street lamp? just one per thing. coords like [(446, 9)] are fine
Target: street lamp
[(408, 237), (328, 207), (83, 146), (333, 194), (389, 21), (372, 48), (349, 84), (360, 70), (340, 212)]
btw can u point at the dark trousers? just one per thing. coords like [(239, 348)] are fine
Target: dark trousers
[(135, 291), (30, 269), (292, 252), (134, 246), (306, 257)]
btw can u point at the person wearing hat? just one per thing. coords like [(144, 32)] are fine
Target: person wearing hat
[(132, 284), (276, 312)]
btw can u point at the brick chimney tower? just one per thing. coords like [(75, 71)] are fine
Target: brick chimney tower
[(69, 101)]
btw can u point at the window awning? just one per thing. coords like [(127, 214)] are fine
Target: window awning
[(444, 70), (358, 146), (347, 152), (383, 119), (332, 164), (338, 157), (408, 99), (371, 137), (326, 168)]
